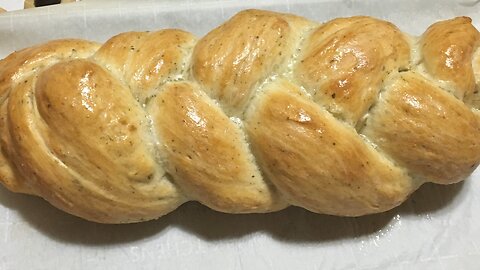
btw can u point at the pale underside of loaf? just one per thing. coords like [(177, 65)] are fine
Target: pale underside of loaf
[(347, 117)]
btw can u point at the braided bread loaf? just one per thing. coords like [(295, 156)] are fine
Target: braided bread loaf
[(268, 110)]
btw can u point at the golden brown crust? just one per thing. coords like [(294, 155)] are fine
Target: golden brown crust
[(318, 162), (426, 130), (207, 154), (28, 4), (9, 175), (447, 48), (346, 60), (99, 155), (146, 60), (14, 70), (30, 60), (267, 110), (247, 49)]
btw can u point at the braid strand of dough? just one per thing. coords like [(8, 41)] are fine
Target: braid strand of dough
[(268, 110)]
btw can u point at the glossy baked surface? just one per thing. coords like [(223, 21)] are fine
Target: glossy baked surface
[(348, 117)]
